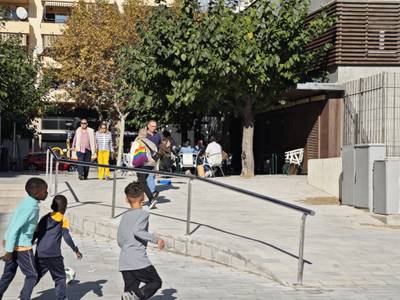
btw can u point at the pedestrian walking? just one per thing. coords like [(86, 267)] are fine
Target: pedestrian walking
[(18, 239), (155, 137), (144, 155), (48, 255), (133, 236), (165, 152), (85, 147), (105, 148)]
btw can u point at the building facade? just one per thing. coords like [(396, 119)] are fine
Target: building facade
[(365, 41), (38, 24)]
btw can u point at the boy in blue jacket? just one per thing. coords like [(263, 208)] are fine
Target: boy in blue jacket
[(18, 239), (49, 231)]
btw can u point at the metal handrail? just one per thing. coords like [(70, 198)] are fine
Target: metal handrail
[(305, 211)]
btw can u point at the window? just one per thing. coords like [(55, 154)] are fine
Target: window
[(55, 123), (55, 14)]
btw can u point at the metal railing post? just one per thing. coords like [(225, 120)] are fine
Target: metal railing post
[(51, 174), (301, 250), (113, 194), (56, 179), (189, 207), (47, 164), (305, 211)]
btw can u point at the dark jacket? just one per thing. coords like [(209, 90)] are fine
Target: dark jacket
[(48, 233)]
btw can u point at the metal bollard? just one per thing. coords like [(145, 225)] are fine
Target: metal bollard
[(47, 164), (56, 179), (113, 194), (189, 207), (51, 174), (301, 250)]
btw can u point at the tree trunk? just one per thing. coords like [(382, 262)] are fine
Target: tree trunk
[(184, 132), (122, 119), (247, 140)]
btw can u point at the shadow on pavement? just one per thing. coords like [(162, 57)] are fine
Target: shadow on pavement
[(167, 294), (163, 199), (9, 174), (160, 200), (233, 234), (76, 290), (166, 187)]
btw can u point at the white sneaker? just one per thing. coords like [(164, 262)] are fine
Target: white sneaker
[(153, 204), (129, 296)]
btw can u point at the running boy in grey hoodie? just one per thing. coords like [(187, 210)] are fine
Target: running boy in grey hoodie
[(133, 237)]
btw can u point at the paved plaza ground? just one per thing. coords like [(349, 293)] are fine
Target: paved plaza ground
[(352, 254)]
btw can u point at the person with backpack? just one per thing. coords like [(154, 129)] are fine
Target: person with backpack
[(144, 155)]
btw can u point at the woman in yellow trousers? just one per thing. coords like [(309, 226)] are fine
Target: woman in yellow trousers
[(104, 149)]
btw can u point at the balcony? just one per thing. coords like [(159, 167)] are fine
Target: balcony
[(22, 37), (63, 3), (15, 27), (15, 2), (52, 28), (49, 40)]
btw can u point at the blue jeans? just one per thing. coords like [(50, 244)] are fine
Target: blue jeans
[(26, 262), (151, 183)]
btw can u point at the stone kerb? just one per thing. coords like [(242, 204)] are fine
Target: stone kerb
[(185, 245)]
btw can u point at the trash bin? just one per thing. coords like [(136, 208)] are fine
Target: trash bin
[(386, 186), (4, 159)]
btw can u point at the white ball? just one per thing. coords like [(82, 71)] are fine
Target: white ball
[(70, 274)]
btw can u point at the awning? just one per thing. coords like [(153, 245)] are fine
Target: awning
[(314, 91), (59, 3), (320, 86)]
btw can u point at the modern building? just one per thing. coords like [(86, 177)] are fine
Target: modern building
[(366, 42)]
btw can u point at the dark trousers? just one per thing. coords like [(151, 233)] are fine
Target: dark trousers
[(26, 262), (142, 179), (87, 156), (148, 275), (54, 265)]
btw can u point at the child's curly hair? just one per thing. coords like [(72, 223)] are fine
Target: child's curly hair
[(134, 190)]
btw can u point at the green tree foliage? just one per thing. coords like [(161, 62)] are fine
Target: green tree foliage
[(87, 52), (161, 76), (190, 63), (267, 54), (21, 91)]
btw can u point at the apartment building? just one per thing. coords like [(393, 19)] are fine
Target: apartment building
[(38, 24)]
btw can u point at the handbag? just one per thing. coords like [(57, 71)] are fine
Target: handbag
[(154, 154), (139, 155)]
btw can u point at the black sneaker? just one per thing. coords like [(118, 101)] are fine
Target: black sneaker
[(80, 177)]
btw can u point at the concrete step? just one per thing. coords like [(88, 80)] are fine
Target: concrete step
[(8, 204), (12, 190)]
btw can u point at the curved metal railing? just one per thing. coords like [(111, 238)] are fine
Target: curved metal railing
[(51, 156)]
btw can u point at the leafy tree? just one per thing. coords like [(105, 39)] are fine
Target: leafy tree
[(22, 92), (164, 75), (268, 54), (237, 63), (87, 52)]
